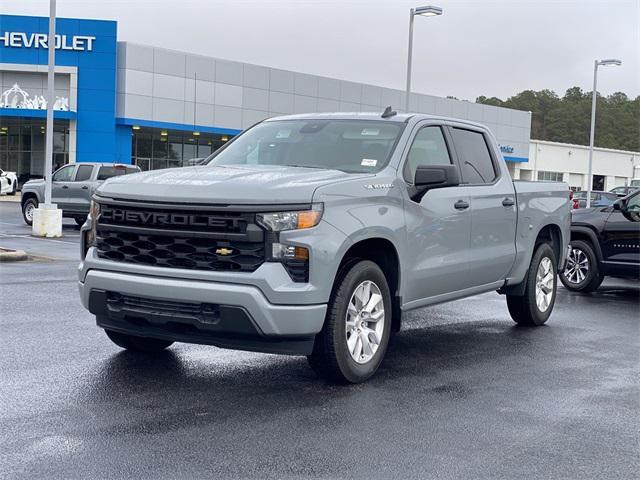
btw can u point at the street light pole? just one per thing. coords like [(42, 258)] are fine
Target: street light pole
[(48, 156), (409, 59), (428, 11), (594, 95), (47, 218)]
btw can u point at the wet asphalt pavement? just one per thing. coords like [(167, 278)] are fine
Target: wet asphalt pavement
[(463, 393)]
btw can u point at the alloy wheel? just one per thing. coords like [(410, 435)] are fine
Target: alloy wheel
[(28, 211), (577, 266), (365, 322), (544, 284)]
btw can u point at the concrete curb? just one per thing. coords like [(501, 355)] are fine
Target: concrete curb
[(8, 255)]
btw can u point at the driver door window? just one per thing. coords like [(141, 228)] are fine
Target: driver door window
[(428, 148), (64, 174)]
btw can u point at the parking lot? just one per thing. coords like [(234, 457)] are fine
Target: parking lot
[(463, 392)]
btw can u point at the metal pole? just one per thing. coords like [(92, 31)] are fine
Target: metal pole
[(48, 156), (409, 58), (594, 94)]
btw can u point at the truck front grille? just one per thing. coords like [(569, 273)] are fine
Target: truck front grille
[(172, 238), (172, 252)]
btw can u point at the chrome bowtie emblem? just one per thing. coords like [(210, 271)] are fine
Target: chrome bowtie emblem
[(224, 251)]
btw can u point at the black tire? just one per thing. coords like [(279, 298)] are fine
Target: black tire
[(13, 189), (80, 220), (582, 253), (137, 344), (524, 309), (29, 203), (331, 358)]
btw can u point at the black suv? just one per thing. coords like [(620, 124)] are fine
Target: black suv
[(604, 241)]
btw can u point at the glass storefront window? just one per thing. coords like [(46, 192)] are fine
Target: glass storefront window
[(22, 146), (150, 150), (160, 147), (175, 148)]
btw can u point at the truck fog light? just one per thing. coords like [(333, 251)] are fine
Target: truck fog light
[(280, 251)]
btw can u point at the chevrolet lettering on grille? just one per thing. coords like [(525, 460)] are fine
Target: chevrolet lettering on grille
[(167, 219)]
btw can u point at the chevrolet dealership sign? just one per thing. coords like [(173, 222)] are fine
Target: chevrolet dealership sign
[(78, 43)]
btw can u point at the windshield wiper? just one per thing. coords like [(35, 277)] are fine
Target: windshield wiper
[(308, 166)]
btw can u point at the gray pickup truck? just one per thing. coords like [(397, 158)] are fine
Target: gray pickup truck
[(72, 187), (311, 234)]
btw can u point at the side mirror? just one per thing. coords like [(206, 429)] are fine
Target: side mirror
[(439, 176), (618, 205)]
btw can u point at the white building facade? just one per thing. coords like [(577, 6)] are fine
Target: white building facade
[(570, 163)]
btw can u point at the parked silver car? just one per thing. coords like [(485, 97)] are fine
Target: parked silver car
[(72, 188)]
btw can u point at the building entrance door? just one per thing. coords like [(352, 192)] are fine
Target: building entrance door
[(598, 182)]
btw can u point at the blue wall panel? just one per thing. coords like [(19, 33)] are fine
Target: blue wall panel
[(123, 144), (96, 102)]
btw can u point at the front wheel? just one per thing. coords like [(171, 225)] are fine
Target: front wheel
[(27, 210), (356, 332), (137, 344), (534, 307), (80, 220), (582, 273), (13, 189)]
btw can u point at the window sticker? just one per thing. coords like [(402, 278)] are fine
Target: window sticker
[(370, 132), (283, 134), (369, 162)]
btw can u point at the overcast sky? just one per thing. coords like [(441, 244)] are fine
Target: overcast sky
[(492, 48)]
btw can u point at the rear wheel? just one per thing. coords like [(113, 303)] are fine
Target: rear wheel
[(137, 344), (28, 207), (535, 306), (80, 220), (582, 273), (13, 189), (356, 332)]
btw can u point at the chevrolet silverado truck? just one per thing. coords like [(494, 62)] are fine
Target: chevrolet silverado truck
[(72, 187), (311, 234)]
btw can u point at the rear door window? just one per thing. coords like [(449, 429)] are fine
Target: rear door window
[(115, 171), (475, 159), (83, 173)]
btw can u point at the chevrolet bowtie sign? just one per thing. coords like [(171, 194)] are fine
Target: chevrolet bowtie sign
[(78, 43)]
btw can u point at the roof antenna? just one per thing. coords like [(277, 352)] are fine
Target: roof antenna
[(388, 112)]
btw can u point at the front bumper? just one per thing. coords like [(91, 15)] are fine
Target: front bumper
[(235, 315)]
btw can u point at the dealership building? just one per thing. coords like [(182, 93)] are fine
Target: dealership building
[(158, 108), (129, 103)]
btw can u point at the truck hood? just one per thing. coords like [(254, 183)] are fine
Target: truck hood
[(243, 184)]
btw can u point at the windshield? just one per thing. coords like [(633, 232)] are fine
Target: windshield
[(353, 146)]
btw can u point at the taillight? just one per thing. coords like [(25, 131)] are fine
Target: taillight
[(570, 194), (576, 204)]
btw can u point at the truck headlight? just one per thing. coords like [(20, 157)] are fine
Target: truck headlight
[(281, 221)]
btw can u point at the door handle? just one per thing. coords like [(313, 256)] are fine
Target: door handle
[(86, 187), (461, 205), (65, 187), (508, 202)]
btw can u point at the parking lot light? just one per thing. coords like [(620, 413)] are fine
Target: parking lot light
[(426, 11), (594, 94)]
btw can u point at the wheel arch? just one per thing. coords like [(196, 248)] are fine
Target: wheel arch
[(552, 234), (28, 195), (586, 234), (382, 252)]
